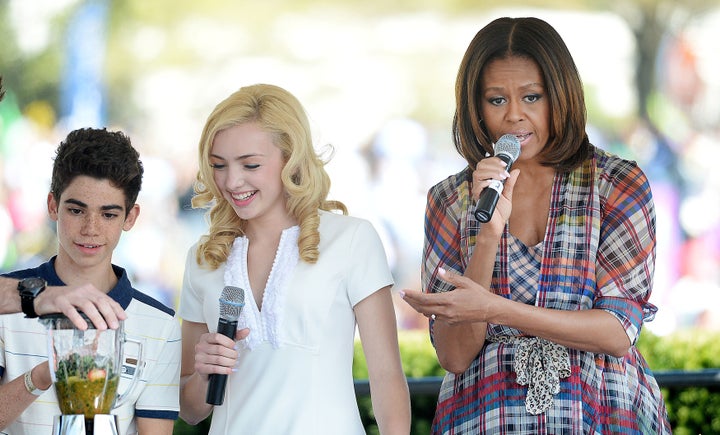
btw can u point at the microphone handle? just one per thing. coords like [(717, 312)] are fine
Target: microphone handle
[(485, 206), (216, 387)]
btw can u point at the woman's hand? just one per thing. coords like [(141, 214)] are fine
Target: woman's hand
[(469, 302), (492, 168), (203, 353), (216, 353)]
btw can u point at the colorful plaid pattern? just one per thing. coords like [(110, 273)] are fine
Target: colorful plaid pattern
[(599, 252)]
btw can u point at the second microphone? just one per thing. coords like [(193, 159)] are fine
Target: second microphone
[(232, 300), (507, 149)]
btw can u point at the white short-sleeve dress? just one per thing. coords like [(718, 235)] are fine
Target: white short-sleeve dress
[(294, 374)]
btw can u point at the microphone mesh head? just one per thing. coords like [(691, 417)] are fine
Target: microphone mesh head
[(232, 300), (508, 144)]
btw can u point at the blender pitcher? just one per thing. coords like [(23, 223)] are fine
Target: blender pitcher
[(85, 367)]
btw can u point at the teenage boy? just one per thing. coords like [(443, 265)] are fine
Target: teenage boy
[(99, 307), (96, 179)]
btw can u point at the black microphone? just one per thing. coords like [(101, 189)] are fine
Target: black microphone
[(507, 148), (232, 300)]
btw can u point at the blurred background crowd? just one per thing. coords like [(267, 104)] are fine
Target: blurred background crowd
[(377, 79)]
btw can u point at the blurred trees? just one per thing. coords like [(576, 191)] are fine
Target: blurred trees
[(33, 69), (651, 21)]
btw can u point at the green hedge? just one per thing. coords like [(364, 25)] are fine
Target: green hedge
[(691, 410)]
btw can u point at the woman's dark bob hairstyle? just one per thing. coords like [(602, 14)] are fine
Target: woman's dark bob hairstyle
[(536, 40)]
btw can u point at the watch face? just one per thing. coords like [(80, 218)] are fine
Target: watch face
[(31, 285)]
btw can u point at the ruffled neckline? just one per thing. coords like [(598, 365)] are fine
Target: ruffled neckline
[(265, 325)]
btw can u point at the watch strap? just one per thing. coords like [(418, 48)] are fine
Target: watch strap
[(28, 306), (29, 289)]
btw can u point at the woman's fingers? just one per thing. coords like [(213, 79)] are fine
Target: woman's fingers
[(242, 334), (215, 353), (423, 303), (455, 279), (485, 171)]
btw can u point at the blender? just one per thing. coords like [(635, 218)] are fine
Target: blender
[(85, 367)]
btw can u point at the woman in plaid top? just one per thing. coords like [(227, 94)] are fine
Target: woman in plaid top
[(538, 333)]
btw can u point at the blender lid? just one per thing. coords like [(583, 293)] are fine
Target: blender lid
[(58, 319)]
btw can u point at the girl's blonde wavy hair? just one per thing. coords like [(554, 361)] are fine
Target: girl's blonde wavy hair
[(304, 177)]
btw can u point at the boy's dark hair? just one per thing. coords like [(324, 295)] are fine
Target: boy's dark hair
[(101, 154), (2, 91)]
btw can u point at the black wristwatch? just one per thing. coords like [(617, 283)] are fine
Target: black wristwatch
[(29, 288)]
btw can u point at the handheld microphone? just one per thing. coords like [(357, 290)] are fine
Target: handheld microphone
[(507, 148), (232, 300)]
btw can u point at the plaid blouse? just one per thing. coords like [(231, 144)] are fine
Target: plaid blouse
[(598, 252)]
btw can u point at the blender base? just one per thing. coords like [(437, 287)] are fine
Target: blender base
[(102, 424)]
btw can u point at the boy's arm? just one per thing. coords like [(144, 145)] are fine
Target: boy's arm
[(102, 310), (155, 426), (9, 296), (15, 397)]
